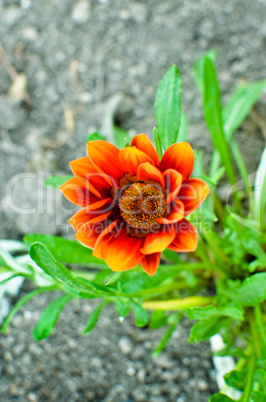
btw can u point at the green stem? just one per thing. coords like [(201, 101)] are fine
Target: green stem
[(259, 322), (246, 394), (255, 334)]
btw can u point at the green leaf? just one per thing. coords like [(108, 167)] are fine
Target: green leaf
[(251, 291), (95, 137), (183, 129), (220, 398), (236, 379), (20, 303), (121, 306), (253, 247), (213, 116), (49, 317), (66, 251), (121, 137), (257, 396), (167, 106), (157, 142), (240, 104), (56, 181), (141, 315), (201, 313), (77, 286), (171, 255), (115, 276), (158, 319), (198, 68), (175, 319), (204, 329), (94, 317)]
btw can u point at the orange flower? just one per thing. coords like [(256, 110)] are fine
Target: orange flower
[(133, 204)]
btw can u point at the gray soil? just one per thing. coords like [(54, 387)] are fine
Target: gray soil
[(77, 56)]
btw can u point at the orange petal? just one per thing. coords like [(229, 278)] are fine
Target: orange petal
[(150, 263), (175, 215), (77, 193), (87, 215), (179, 157), (186, 238), (102, 240), (132, 157), (159, 241), (173, 181), (98, 183), (104, 157), (123, 251), (146, 171), (144, 144), (192, 193), (89, 233)]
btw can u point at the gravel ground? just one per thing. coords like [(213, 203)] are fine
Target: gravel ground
[(76, 56)]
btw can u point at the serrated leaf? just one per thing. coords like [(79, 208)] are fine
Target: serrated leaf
[(65, 251), (167, 106), (175, 319), (56, 181), (200, 313), (141, 315), (204, 329), (94, 317), (49, 317), (258, 396), (251, 291), (236, 379), (121, 307)]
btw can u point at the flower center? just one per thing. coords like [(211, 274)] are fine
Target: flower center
[(141, 204)]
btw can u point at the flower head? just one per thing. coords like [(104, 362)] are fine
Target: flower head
[(133, 205)]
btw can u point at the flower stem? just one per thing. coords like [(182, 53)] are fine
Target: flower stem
[(246, 394), (178, 304)]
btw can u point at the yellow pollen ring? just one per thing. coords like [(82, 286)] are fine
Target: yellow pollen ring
[(142, 203)]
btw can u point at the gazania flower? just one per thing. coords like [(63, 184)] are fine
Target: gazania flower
[(133, 205)]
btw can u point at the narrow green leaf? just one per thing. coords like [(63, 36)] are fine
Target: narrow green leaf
[(167, 106), (95, 137), (121, 306), (56, 181), (198, 68), (157, 142), (141, 315), (176, 317), (49, 317), (94, 317), (66, 251), (115, 276), (240, 105), (183, 129), (220, 398), (20, 303), (213, 116), (251, 291)]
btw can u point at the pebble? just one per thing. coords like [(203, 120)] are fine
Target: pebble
[(131, 371), (80, 12), (125, 345), (163, 361), (32, 397)]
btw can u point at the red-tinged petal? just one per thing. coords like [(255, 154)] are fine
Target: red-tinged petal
[(86, 215), (150, 263), (77, 193), (179, 157), (123, 251), (173, 182), (146, 171), (144, 144), (104, 157), (175, 215), (159, 241), (103, 239), (192, 193), (97, 182), (186, 238), (89, 233), (132, 157)]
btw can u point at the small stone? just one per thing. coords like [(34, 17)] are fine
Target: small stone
[(8, 357), (202, 385), (138, 12), (125, 345), (80, 12), (29, 33), (131, 371), (163, 361), (32, 397), (141, 375), (96, 362), (11, 15)]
